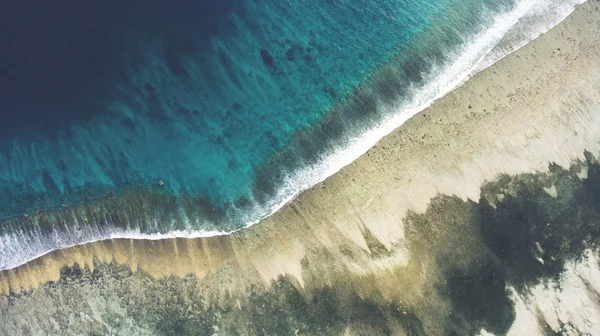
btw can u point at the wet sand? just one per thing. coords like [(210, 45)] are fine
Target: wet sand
[(384, 239)]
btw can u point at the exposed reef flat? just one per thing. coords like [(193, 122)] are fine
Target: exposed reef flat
[(480, 213)]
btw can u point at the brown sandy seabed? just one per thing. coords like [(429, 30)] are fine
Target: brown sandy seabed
[(376, 248)]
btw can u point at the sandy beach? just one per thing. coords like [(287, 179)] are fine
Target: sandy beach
[(378, 247)]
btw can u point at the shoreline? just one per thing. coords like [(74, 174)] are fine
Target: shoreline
[(408, 129), (390, 228), (360, 144)]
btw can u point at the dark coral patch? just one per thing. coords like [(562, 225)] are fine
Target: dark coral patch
[(267, 58)]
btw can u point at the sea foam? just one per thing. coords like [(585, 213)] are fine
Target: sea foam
[(508, 32)]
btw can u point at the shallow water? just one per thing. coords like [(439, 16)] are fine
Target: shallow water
[(204, 118)]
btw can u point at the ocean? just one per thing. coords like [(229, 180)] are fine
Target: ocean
[(201, 118)]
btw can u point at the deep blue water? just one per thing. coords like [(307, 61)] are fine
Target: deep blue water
[(219, 100)]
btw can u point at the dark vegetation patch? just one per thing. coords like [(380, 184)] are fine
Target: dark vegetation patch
[(525, 239), (282, 310)]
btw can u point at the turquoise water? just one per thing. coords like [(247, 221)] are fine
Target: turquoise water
[(207, 107)]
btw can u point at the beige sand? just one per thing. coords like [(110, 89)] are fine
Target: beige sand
[(538, 105)]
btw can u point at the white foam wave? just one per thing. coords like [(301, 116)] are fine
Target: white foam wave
[(526, 21), (471, 58), (539, 18)]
